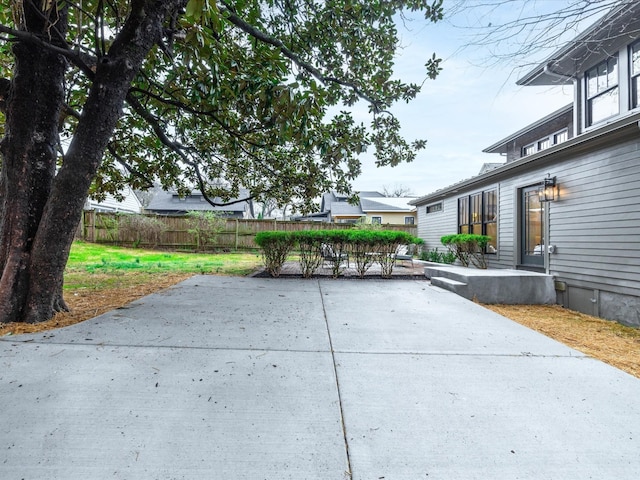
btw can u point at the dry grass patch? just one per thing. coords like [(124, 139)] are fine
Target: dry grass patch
[(608, 341), (88, 302)]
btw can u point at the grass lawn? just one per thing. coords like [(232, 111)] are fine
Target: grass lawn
[(102, 266)]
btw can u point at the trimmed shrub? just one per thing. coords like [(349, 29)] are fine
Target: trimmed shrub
[(276, 247), (310, 244), (362, 245), (388, 243), (468, 248), (336, 249), (436, 256)]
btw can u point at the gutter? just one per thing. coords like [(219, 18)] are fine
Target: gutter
[(575, 143), (547, 71)]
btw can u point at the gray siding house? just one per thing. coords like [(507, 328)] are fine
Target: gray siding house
[(586, 232), (373, 206), (171, 203)]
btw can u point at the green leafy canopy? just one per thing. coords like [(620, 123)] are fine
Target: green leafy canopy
[(244, 94)]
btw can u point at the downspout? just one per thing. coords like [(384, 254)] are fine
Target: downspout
[(547, 214), (547, 240)]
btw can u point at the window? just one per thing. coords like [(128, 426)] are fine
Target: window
[(376, 220), (546, 142), (635, 74), (543, 144), (409, 221), (490, 219), (602, 91), (560, 137), (478, 214), (436, 207), (475, 220), (463, 215)]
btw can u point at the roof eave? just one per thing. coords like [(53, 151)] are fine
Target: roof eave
[(495, 148), (619, 126)]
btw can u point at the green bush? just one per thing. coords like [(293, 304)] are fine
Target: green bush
[(336, 249), (276, 247), (468, 248), (310, 244), (362, 247), (436, 256)]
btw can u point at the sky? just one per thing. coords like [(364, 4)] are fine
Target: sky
[(468, 107)]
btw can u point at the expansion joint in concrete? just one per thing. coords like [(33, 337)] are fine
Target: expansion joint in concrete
[(349, 472)]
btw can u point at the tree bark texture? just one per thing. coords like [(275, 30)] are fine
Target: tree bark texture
[(42, 209), (29, 160)]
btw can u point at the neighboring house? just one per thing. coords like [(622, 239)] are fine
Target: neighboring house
[(129, 204), (170, 203), (373, 206), (588, 154)]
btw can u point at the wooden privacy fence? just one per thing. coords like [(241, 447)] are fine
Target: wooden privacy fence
[(237, 234)]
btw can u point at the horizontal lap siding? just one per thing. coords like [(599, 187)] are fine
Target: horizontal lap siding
[(506, 251), (595, 224), (433, 226)]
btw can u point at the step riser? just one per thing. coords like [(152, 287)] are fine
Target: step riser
[(495, 286)]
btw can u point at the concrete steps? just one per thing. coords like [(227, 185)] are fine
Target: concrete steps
[(450, 284), (515, 287)]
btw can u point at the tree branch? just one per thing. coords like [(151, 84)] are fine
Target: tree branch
[(129, 168), (288, 53), (27, 37)]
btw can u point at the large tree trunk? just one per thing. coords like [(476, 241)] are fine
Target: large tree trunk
[(39, 225), (29, 161)]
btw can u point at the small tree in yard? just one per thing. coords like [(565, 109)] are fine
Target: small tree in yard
[(255, 94), (205, 226), (141, 229)]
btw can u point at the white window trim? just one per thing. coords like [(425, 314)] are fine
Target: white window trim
[(550, 138)]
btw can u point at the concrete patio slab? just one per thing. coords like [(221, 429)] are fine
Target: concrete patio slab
[(212, 312), (253, 378), (414, 317), (98, 412), (485, 417)]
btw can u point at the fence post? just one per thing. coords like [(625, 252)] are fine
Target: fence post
[(237, 233), (93, 225)]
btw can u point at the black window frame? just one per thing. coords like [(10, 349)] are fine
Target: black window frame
[(476, 212), (434, 208)]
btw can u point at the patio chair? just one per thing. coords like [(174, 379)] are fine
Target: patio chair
[(329, 255), (404, 253)]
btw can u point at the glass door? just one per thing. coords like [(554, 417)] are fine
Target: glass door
[(532, 228)]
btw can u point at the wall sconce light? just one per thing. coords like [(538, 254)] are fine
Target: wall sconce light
[(547, 191)]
